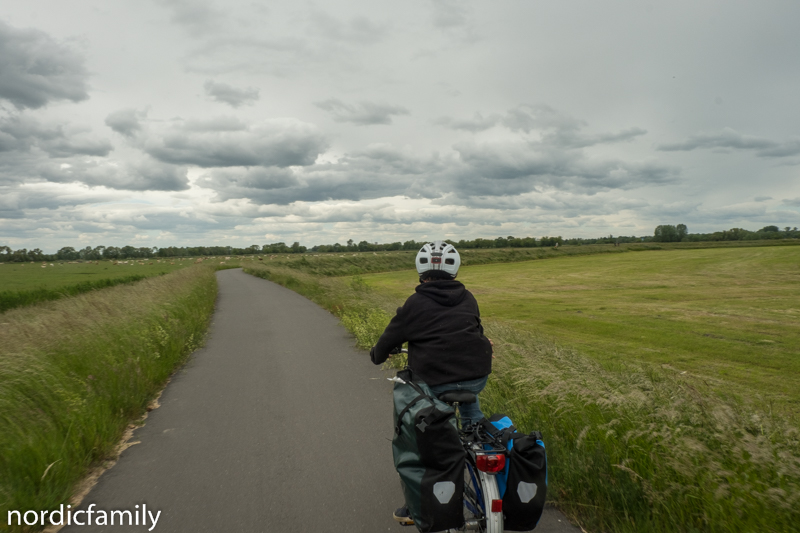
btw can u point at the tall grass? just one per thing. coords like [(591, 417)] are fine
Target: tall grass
[(642, 448), (75, 372), (631, 448)]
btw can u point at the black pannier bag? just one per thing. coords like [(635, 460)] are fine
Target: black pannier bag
[(526, 488), (428, 455), (523, 484)]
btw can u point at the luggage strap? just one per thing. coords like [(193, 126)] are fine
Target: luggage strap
[(422, 396), (506, 434)]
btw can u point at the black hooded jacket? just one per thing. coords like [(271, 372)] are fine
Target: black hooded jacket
[(442, 325)]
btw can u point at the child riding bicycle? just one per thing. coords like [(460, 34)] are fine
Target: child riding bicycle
[(441, 322)]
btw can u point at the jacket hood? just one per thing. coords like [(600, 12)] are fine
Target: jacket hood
[(444, 292)]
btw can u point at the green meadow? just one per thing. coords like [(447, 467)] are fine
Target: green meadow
[(728, 315), (26, 276), (24, 284)]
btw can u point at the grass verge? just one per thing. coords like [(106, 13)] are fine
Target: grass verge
[(75, 372), (631, 447)]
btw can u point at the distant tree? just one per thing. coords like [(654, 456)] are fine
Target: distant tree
[(111, 252), (665, 233), (67, 253), (682, 231), (769, 229), (85, 253)]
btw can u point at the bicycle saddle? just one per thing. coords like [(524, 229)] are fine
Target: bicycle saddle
[(458, 396)]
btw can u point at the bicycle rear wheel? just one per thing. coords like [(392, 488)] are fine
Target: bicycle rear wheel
[(480, 489)]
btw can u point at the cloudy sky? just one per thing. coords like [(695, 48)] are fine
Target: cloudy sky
[(185, 122)]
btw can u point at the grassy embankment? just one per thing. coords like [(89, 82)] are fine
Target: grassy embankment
[(634, 444), (24, 284), (75, 372)]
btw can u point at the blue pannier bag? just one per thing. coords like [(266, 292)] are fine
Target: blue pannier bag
[(523, 482)]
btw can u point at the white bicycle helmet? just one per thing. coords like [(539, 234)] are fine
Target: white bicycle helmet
[(440, 256)]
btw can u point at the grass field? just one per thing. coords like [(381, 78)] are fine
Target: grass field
[(728, 314), (24, 284), (26, 276)]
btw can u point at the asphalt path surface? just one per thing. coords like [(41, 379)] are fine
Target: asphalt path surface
[(277, 425)]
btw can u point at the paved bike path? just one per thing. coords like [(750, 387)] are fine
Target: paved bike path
[(277, 424)]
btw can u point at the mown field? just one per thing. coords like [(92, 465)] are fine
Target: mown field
[(26, 276), (664, 405), (732, 315), (24, 284)]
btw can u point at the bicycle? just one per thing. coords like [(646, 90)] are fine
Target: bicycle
[(483, 506)]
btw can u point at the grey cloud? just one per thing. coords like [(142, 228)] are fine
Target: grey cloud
[(230, 143), (449, 14), (794, 202), (556, 128), (21, 133), (236, 182), (488, 170), (141, 176), (358, 30), (363, 113), (526, 118), (583, 141), (126, 122), (376, 172), (727, 138), (559, 129), (785, 149), (18, 200), (474, 125), (493, 170), (275, 55), (69, 146), (762, 198), (197, 17), (35, 69), (566, 205), (222, 92), (733, 140)]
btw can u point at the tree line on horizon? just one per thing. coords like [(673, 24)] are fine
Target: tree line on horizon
[(662, 233)]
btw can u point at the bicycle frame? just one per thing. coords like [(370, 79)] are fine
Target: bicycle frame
[(480, 488)]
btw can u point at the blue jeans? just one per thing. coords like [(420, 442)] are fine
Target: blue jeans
[(470, 412)]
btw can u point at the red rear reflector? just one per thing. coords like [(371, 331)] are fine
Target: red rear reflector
[(497, 506), (490, 463)]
